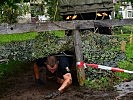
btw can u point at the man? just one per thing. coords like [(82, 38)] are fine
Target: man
[(56, 70)]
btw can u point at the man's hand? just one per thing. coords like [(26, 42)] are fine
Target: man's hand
[(53, 95)]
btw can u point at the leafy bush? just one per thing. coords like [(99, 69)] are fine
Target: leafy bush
[(9, 14), (10, 10), (125, 29), (47, 43), (105, 50)]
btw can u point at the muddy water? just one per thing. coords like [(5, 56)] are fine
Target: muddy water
[(125, 90)]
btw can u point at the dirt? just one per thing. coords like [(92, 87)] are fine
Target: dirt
[(125, 90), (24, 87)]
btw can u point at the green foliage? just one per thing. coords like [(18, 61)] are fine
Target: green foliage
[(9, 13), (98, 53), (129, 1), (125, 29), (58, 33), (47, 43), (53, 10), (37, 9), (129, 51), (26, 36), (116, 8), (17, 37), (101, 49), (127, 65), (130, 28), (99, 84), (10, 10), (26, 46), (23, 8), (10, 1)]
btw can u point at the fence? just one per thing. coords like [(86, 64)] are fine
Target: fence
[(66, 25)]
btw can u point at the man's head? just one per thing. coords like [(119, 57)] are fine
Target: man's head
[(52, 64)]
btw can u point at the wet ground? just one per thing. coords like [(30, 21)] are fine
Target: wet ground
[(24, 88), (125, 90)]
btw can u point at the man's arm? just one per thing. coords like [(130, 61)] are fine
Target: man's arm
[(66, 83)]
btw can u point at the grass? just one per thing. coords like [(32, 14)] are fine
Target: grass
[(128, 29), (104, 83), (129, 51), (17, 37), (126, 64), (124, 35), (4, 38), (58, 33)]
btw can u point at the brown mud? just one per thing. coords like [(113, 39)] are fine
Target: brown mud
[(24, 87)]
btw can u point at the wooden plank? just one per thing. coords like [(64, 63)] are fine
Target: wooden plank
[(115, 22), (46, 26), (61, 25), (38, 27), (79, 57)]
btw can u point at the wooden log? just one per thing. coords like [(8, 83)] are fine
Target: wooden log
[(79, 57)]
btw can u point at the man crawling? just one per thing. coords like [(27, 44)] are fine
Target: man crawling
[(57, 70)]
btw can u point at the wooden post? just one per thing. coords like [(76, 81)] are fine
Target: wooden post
[(123, 46), (79, 57), (121, 31), (130, 39)]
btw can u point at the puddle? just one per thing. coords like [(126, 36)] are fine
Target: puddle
[(124, 88)]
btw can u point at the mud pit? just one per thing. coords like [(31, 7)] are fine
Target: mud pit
[(24, 88)]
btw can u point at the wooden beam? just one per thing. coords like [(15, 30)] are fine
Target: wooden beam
[(61, 25), (36, 27), (79, 57), (114, 22)]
